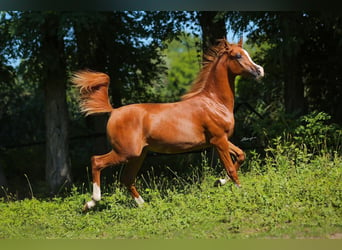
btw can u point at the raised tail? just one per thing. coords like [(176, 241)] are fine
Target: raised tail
[(93, 88)]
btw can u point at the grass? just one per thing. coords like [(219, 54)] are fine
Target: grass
[(288, 194)]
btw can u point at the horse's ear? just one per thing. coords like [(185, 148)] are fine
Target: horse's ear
[(226, 43), (240, 42)]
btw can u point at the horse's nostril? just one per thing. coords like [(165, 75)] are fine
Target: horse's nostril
[(260, 71)]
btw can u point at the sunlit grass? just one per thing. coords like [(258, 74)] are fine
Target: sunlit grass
[(280, 198)]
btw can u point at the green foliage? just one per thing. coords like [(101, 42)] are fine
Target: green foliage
[(294, 191), (126, 45), (20, 102), (317, 133), (297, 68), (183, 63), (264, 97), (280, 198)]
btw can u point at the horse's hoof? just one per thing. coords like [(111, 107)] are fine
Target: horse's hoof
[(139, 201), (85, 208), (88, 205), (220, 182), (217, 183)]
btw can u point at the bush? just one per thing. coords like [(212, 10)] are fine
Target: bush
[(317, 134)]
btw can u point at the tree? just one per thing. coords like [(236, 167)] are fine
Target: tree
[(52, 57), (213, 25), (303, 51), (39, 38), (5, 78), (125, 45), (278, 30), (53, 44), (183, 66)]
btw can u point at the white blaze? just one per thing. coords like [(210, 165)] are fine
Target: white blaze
[(261, 69)]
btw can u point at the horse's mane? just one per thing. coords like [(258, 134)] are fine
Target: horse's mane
[(208, 59)]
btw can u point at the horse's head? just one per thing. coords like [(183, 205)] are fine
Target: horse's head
[(239, 62)]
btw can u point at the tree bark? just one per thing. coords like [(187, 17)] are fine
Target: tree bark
[(294, 100), (293, 88), (213, 24), (57, 168), (3, 182)]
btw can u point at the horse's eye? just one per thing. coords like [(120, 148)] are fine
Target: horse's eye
[(238, 56)]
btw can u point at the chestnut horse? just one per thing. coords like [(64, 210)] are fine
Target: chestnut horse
[(203, 118)]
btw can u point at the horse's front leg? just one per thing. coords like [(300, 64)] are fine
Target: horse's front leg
[(238, 154), (99, 162), (239, 158), (224, 149)]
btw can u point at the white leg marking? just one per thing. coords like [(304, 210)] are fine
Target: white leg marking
[(96, 192), (91, 204), (140, 201), (223, 181)]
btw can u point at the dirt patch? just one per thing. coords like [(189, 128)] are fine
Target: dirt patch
[(335, 236)]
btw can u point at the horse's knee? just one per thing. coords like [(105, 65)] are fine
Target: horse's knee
[(96, 163), (100, 162), (241, 157), (93, 161)]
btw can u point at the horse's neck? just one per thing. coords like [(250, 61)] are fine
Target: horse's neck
[(222, 85)]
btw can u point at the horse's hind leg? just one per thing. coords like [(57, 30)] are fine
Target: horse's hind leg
[(129, 174), (99, 162)]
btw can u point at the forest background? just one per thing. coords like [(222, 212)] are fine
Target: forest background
[(46, 144)]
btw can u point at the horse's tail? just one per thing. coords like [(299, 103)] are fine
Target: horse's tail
[(93, 88)]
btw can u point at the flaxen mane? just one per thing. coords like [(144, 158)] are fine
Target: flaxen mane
[(208, 59)]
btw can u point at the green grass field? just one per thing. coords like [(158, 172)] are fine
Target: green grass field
[(287, 194)]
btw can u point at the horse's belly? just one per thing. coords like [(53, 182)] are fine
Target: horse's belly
[(176, 137), (173, 148)]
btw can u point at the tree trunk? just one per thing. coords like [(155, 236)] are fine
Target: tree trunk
[(213, 24), (293, 84), (57, 148), (3, 182), (57, 168), (293, 88)]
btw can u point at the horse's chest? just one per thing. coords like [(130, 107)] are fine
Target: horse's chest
[(221, 121)]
